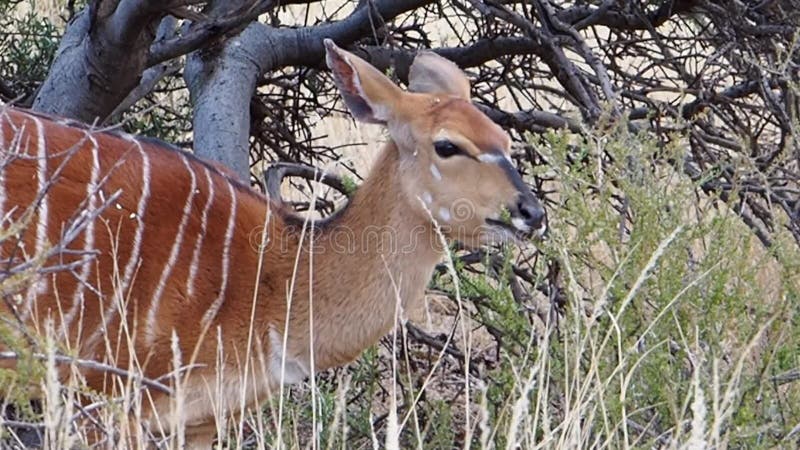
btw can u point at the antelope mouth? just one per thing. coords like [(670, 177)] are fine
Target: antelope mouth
[(516, 229)]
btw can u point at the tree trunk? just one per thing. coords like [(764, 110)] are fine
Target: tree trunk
[(221, 82), (99, 61)]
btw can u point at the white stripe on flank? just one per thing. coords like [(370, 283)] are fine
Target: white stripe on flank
[(226, 256), (4, 156), (41, 226), (121, 292), (13, 148), (88, 239), (173, 257), (140, 210), (198, 245), (40, 287)]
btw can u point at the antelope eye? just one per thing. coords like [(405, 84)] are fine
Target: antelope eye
[(446, 149)]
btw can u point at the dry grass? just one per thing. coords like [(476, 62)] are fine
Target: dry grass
[(679, 333), (635, 360)]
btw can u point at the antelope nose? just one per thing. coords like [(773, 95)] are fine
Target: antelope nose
[(531, 212)]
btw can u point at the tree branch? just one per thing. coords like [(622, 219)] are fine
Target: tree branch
[(100, 59), (6, 92), (220, 82), (201, 34), (94, 365), (583, 16), (152, 75)]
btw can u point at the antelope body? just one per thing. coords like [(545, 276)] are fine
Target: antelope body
[(179, 248)]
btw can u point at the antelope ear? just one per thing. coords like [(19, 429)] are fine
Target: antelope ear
[(431, 73), (370, 96)]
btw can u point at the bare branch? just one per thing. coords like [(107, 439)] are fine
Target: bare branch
[(201, 34), (94, 365)]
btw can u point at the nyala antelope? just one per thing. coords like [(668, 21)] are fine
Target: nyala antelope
[(173, 251)]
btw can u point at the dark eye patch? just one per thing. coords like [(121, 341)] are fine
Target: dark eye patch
[(446, 149)]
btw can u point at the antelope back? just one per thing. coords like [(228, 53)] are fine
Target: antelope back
[(136, 239)]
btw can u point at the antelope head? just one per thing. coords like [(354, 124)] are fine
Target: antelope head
[(454, 162)]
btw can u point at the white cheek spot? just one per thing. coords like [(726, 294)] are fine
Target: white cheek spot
[(520, 224), (294, 371), (435, 172), (426, 197), (444, 214)]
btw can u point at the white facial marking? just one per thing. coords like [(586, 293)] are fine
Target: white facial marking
[(493, 158), (435, 172), (444, 214), (489, 157), (540, 232), (426, 197), (520, 224)]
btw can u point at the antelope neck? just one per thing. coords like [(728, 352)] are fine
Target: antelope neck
[(376, 252)]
